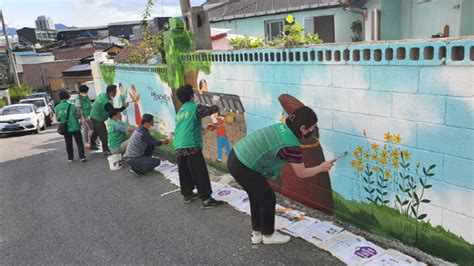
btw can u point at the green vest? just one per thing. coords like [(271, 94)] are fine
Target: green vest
[(259, 150), (86, 105), (115, 137), (61, 114), (188, 132), (98, 108)]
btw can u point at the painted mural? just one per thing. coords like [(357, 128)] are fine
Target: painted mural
[(407, 174)]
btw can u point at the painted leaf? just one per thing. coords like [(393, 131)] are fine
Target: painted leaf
[(425, 200), (405, 202), (428, 186), (431, 167), (422, 216)]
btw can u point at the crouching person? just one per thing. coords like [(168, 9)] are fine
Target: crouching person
[(140, 148), (117, 133)]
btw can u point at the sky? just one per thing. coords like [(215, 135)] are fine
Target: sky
[(82, 13)]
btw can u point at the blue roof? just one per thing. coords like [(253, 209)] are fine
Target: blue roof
[(32, 54)]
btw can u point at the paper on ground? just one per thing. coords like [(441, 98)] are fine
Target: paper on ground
[(322, 231), (392, 257), (300, 228)]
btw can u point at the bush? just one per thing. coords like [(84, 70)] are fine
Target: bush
[(2, 103), (19, 92)]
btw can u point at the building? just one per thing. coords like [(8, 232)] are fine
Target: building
[(23, 58), (33, 36), (44, 23), (333, 19), (74, 76), (79, 51), (123, 29), (91, 32), (38, 75), (156, 25)]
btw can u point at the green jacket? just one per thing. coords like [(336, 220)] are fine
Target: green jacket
[(61, 114), (115, 137), (98, 108), (86, 105), (188, 132), (259, 150)]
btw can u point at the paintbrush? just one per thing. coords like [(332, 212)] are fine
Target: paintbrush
[(340, 156)]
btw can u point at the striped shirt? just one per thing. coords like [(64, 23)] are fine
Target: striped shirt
[(291, 154)]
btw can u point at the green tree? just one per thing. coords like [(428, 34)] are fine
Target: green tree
[(19, 92)]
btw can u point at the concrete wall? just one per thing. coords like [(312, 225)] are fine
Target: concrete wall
[(255, 26), (420, 91)]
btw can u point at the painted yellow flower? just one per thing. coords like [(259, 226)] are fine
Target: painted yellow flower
[(407, 155), (395, 154), (375, 157), (374, 146), (418, 165), (353, 163), (387, 137), (397, 139), (360, 163), (360, 169), (375, 168), (395, 164), (356, 154), (366, 155), (383, 161), (360, 149), (387, 173), (384, 155)]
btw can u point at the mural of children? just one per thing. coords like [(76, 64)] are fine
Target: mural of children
[(222, 140), (123, 99), (136, 100)]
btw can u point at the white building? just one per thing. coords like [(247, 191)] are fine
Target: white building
[(44, 23)]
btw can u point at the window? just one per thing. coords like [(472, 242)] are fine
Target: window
[(273, 28)]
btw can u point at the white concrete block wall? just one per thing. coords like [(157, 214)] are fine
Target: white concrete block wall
[(430, 106)]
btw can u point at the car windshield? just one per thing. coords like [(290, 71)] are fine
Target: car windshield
[(37, 103), (11, 110)]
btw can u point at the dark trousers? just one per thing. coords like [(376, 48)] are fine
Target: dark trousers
[(99, 130), (261, 196), (145, 163), (69, 146), (193, 173)]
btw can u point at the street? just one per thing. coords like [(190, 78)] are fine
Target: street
[(55, 212)]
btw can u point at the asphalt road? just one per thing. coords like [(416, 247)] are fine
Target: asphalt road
[(55, 212)]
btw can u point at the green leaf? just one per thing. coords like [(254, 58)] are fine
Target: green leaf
[(413, 211), (384, 193), (405, 202), (421, 181), (424, 171), (401, 188), (425, 200), (398, 199), (372, 190), (369, 199), (386, 201), (367, 190), (430, 174), (416, 197), (428, 186), (365, 180), (422, 216), (431, 167)]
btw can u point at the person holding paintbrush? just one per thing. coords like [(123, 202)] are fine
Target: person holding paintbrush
[(261, 156)]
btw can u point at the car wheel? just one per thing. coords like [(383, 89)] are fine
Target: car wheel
[(48, 120), (36, 131)]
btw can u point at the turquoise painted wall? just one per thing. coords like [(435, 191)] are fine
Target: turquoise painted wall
[(254, 26)]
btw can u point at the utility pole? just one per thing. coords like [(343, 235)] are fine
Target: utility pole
[(10, 56)]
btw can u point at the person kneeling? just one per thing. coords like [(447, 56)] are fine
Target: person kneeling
[(140, 148), (117, 133)]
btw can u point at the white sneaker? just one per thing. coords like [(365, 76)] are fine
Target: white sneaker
[(276, 238), (256, 238)]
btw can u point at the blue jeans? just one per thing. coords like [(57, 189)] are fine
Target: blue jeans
[(221, 143), (145, 163)]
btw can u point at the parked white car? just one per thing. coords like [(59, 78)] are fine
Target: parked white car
[(43, 106), (21, 118)]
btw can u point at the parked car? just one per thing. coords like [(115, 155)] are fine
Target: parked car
[(43, 95), (21, 118), (43, 106)]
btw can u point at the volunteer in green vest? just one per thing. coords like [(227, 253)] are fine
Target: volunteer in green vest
[(260, 156), (117, 133), (73, 126), (101, 110), (188, 146), (83, 108)]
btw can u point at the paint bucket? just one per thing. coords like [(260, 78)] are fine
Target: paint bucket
[(115, 162)]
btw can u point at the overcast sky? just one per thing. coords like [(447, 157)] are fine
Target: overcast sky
[(81, 13)]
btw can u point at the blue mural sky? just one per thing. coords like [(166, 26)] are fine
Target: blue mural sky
[(82, 13)]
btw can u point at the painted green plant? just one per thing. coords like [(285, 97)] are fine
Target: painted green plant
[(203, 64), (387, 167), (108, 73)]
